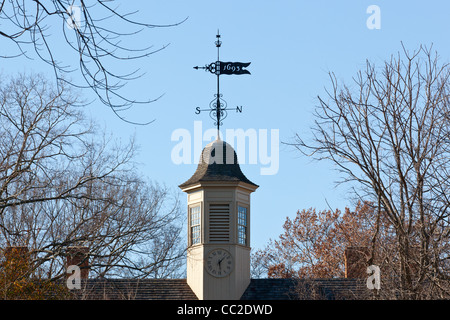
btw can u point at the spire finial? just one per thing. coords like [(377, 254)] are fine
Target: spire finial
[(218, 42)]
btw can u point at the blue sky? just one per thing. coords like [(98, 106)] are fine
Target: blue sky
[(292, 45)]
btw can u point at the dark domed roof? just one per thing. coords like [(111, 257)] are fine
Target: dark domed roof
[(218, 162)]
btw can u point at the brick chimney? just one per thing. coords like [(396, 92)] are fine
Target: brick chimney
[(356, 262), (78, 256)]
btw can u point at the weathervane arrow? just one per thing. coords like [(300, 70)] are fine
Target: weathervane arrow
[(220, 67)]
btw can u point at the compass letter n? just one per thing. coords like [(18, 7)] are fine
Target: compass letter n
[(374, 21)]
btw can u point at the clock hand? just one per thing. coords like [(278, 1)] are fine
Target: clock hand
[(220, 261)]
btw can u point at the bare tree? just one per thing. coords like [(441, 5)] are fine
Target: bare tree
[(45, 141), (388, 135), (94, 30), (62, 185)]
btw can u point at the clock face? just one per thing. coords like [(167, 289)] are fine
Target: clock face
[(219, 263)]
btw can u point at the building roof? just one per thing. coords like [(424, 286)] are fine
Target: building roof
[(305, 289), (258, 289), (218, 162), (135, 289)]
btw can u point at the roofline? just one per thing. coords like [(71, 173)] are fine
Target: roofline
[(202, 184)]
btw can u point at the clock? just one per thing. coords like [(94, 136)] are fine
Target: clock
[(219, 263)]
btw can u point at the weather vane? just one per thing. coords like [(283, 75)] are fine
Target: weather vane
[(218, 106)]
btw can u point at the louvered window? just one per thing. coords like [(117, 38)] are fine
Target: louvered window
[(219, 222)]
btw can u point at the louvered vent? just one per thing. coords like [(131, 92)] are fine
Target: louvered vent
[(219, 223)]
